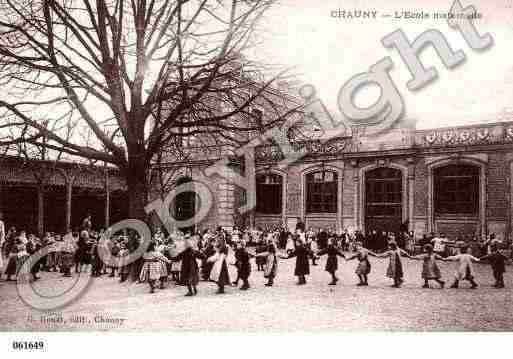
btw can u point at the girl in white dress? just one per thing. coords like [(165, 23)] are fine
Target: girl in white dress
[(464, 270)]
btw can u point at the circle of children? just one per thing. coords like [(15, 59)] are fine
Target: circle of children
[(185, 258)]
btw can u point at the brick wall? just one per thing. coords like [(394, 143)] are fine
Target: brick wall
[(497, 187), (348, 190), (293, 192), (421, 189)]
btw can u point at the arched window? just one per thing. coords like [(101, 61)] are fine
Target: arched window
[(456, 190), (269, 189), (321, 192), (383, 199), (184, 202)]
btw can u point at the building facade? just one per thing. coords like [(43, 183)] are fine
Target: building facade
[(454, 180)]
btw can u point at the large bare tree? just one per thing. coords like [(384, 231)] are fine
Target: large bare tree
[(117, 81)]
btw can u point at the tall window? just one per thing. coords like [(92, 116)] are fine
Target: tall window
[(321, 192), (383, 192), (456, 190), (269, 189), (184, 202)]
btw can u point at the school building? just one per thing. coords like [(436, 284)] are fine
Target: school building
[(455, 180)]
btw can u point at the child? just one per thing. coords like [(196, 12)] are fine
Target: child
[(114, 251), (189, 270), (430, 270), (22, 253), (271, 264), (498, 262), (152, 267), (314, 249), (302, 253), (219, 272), (464, 271), (410, 243), (243, 265), (290, 246), (162, 249), (237, 264), (12, 261), (395, 267), (33, 246), (260, 260), (332, 262), (96, 261), (124, 270), (67, 255), (206, 266), (364, 267), (173, 251)]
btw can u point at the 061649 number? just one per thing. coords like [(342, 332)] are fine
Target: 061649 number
[(28, 345)]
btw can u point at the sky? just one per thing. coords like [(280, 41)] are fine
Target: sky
[(328, 51)]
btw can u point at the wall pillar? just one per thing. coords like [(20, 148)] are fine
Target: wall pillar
[(226, 201), (40, 210), (69, 190), (226, 194), (69, 178), (107, 200), (1, 201), (357, 199), (411, 193)]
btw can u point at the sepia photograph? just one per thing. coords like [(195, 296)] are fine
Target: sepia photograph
[(258, 167)]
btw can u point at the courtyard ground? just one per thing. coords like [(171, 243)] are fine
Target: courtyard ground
[(284, 307)]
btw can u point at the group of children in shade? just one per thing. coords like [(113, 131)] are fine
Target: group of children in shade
[(430, 269), (154, 267)]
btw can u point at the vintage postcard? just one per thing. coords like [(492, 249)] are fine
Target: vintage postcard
[(255, 166)]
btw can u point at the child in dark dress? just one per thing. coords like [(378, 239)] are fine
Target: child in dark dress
[(498, 263), (332, 262), (189, 270), (302, 254), (242, 257), (260, 260)]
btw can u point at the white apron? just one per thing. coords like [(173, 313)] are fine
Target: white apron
[(218, 260)]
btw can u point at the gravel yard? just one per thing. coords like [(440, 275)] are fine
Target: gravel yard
[(108, 305)]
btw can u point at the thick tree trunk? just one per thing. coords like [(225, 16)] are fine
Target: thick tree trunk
[(137, 187)]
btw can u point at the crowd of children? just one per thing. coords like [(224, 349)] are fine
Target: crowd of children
[(186, 258)]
